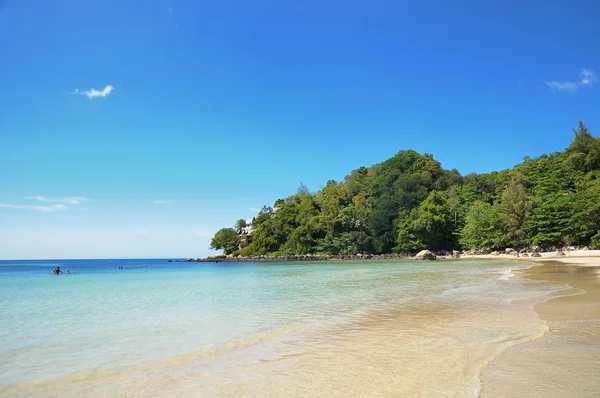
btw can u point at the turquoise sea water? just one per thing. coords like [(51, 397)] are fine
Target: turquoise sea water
[(103, 317)]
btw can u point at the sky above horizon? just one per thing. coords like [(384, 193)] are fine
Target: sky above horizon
[(138, 129)]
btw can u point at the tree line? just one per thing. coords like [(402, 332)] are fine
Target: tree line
[(409, 202)]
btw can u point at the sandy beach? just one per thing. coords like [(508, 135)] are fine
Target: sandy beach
[(575, 257), (564, 362)]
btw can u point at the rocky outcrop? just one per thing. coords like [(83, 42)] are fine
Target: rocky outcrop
[(477, 252), (425, 255), (299, 257), (533, 251)]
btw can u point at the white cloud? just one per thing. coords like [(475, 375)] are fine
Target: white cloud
[(74, 200), (587, 77), (55, 204), (163, 202), (563, 86), (49, 208), (93, 93)]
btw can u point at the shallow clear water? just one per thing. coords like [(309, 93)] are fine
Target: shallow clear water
[(155, 327)]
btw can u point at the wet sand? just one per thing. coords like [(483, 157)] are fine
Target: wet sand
[(565, 362)]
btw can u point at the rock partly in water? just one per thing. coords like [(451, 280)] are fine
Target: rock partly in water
[(560, 253), (536, 254), (425, 255)]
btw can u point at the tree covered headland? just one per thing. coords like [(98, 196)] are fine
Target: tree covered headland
[(409, 202)]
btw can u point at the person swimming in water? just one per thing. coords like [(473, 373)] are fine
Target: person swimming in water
[(68, 272), (57, 271)]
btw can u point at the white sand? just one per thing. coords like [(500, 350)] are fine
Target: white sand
[(579, 257)]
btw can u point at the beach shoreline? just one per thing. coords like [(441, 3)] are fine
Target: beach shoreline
[(573, 257), (563, 361), (581, 256)]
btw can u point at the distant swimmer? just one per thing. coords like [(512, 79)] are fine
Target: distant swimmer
[(57, 271), (68, 272)]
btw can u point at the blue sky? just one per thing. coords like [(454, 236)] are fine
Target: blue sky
[(137, 129)]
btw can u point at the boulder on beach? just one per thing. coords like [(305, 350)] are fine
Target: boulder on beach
[(425, 255)]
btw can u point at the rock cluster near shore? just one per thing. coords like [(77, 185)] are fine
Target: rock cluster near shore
[(423, 255), (533, 251), (305, 257)]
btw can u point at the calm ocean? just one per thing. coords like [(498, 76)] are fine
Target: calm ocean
[(156, 328)]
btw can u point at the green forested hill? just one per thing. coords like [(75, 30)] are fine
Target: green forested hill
[(408, 203)]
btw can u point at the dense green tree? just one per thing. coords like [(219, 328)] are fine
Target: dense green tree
[(585, 210), (584, 150), (410, 202), (429, 226), (514, 209), (330, 201), (552, 185), (226, 239), (239, 225), (595, 241), (483, 227)]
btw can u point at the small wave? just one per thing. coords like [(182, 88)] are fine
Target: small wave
[(83, 379), (506, 275)]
